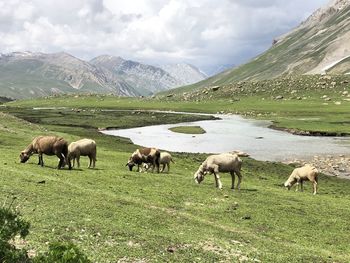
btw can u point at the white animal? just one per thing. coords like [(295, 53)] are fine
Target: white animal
[(299, 175), (165, 159), (225, 163), (83, 147)]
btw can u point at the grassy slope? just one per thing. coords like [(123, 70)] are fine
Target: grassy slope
[(112, 213)]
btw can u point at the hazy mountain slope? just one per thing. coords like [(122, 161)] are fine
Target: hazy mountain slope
[(145, 78), (319, 42), (186, 73), (26, 74)]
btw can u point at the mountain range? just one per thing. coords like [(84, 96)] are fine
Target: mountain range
[(29, 74), (319, 45)]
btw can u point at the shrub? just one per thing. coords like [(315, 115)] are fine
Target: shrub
[(12, 225)]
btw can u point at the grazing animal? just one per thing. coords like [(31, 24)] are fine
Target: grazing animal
[(49, 145), (299, 175), (225, 163), (165, 159), (83, 147), (144, 155)]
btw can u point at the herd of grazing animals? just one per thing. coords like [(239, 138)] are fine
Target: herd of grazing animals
[(152, 157)]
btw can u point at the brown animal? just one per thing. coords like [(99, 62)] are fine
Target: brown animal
[(49, 145), (165, 159), (299, 175), (144, 155)]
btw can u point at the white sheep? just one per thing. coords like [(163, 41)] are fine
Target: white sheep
[(225, 163), (83, 147), (299, 175), (165, 159)]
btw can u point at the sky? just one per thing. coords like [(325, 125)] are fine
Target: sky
[(205, 33)]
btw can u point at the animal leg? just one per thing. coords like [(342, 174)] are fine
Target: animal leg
[(156, 162), (315, 186), (216, 180), (219, 184), (233, 180), (41, 161), (93, 161), (162, 170), (301, 186), (78, 161), (239, 179), (297, 185), (90, 161), (61, 162), (168, 165)]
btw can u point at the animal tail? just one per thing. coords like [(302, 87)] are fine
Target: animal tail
[(172, 160)]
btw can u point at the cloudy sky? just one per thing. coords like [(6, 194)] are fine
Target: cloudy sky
[(206, 33)]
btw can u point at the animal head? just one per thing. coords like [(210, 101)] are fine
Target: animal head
[(24, 157), (290, 182), (130, 164), (199, 175)]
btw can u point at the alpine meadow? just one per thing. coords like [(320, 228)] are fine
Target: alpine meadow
[(138, 68)]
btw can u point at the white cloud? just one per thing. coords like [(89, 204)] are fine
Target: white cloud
[(203, 32)]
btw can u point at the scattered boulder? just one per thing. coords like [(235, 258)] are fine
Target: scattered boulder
[(215, 88)]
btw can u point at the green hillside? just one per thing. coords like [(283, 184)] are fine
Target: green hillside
[(299, 52)]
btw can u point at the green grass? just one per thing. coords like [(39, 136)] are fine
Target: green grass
[(111, 213), (188, 129)]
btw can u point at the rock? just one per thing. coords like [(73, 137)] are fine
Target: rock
[(337, 103), (279, 97), (170, 95), (215, 88)]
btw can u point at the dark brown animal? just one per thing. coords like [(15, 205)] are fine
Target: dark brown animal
[(49, 145), (144, 155)]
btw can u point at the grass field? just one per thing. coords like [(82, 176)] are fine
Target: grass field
[(113, 214)]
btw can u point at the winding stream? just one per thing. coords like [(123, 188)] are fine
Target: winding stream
[(236, 133)]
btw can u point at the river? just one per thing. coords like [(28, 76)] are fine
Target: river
[(233, 132)]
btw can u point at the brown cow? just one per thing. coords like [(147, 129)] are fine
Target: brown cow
[(49, 145), (144, 155)]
